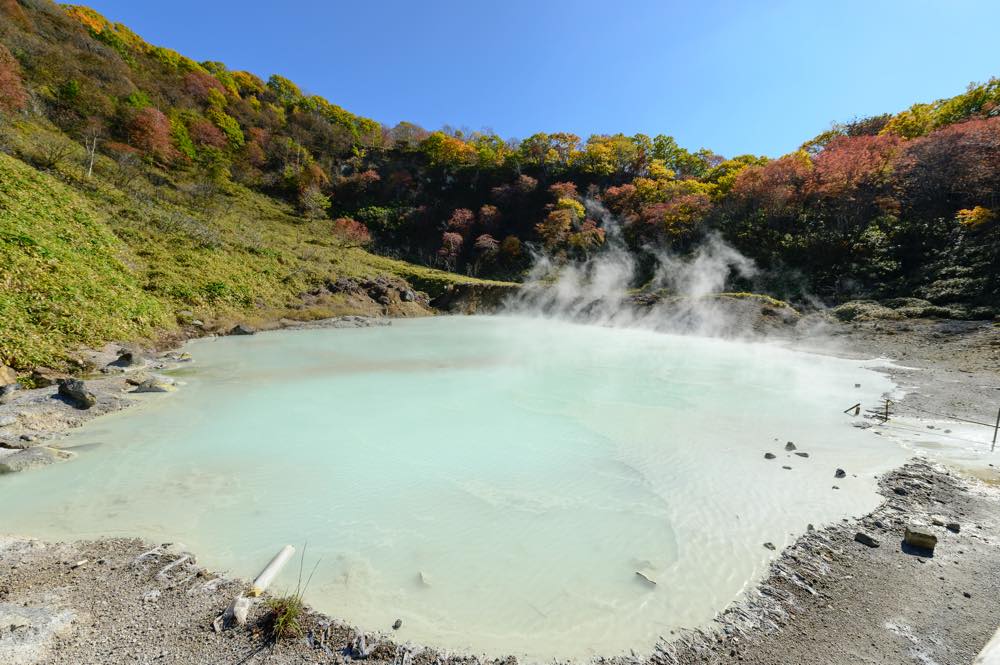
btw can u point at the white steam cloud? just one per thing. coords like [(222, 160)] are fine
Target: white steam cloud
[(680, 297)]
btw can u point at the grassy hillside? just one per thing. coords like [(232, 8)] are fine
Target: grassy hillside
[(118, 256)]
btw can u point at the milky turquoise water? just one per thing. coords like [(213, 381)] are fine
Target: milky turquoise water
[(525, 468)]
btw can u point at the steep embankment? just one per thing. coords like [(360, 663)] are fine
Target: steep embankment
[(86, 261)]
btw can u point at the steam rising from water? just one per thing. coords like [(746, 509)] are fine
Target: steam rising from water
[(680, 296)]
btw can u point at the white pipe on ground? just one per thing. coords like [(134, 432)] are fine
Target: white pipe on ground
[(271, 571)]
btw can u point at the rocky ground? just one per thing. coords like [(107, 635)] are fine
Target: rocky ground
[(828, 599), (833, 600)]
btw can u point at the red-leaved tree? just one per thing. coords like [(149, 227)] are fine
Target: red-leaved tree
[(13, 96), (149, 132)]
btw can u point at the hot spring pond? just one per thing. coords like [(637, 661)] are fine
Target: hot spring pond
[(493, 482)]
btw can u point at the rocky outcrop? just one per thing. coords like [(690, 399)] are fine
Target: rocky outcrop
[(382, 295), (475, 298)]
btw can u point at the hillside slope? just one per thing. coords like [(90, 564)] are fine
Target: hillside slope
[(87, 261)]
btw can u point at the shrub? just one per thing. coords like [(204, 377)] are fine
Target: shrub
[(351, 232)]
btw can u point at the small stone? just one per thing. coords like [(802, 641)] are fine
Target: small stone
[(242, 329), (835, 487), (789, 446), (954, 527), (866, 539), (901, 491), (802, 454), (810, 527), (967, 594), (839, 473), (919, 537), (769, 455), (397, 624), (770, 546), (787, 468)]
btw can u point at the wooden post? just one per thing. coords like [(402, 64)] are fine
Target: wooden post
[(995, 429), (887, 403)]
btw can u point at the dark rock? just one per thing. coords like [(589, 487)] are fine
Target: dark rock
[(397, 624), (787, 468), (954, 527), (129, 357), (901, 491), (769, 455), (75, 391), (839, 473), (242, 329), (407, 295), (835, 487), (866, 539), (802, 454), (967, 594), (920, 537), (789, 446), (770, 546)]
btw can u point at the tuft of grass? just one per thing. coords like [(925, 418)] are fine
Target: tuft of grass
[(285, 616), (286, 612)]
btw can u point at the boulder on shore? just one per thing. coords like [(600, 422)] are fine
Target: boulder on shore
[(43, 377), (242, 329), (155, 385), (920, 537), (76, 393), (7, 376), (30, 458), (129, 357)]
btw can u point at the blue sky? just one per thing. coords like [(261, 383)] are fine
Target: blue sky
[(736, 77)]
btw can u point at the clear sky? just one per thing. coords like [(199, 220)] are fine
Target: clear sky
[(735, 77)]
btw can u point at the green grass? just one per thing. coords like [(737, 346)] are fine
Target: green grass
[(117, 258), (285, 620)]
